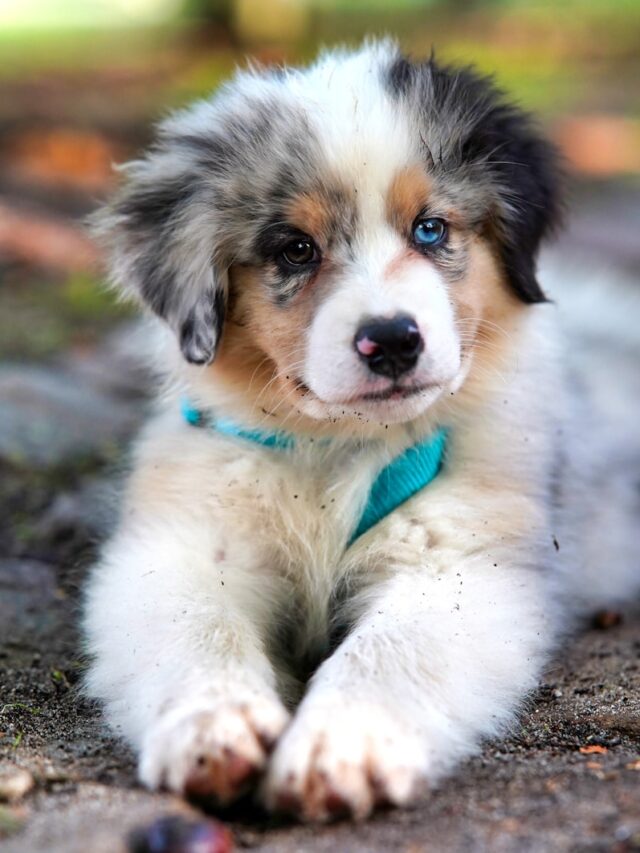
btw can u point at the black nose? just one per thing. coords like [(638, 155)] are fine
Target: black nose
[(389, 347)]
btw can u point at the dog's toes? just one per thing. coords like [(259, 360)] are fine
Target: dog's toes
[(344, 762), (212, 755), (398, 787), (320, 796), (335, 804), (223, 779)]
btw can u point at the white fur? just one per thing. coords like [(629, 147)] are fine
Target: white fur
[(351, 112), (454, 600), (332, 369), (444, 639)]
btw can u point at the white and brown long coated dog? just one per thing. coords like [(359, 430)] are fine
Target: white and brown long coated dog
[(343, 261)]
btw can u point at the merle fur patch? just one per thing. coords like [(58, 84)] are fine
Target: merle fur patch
[(484, 151), (197, 202), (206, 194)]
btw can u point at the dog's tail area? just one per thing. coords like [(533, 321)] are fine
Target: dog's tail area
[(599, 495)]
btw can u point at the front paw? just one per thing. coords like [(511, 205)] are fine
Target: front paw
[(343, 760), (212, 750)]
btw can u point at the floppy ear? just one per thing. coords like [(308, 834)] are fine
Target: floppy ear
[(159, 232), (526, 175), (472, 134)]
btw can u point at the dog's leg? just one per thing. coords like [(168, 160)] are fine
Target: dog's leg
[(438, 657), (176, 621)]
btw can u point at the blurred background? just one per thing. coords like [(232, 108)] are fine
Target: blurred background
[(81, 84)]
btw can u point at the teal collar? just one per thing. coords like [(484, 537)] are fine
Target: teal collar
[(398, 481), (196, 417)]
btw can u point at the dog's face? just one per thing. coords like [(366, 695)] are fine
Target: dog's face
[(334, 242)]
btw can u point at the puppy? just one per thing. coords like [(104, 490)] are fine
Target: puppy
[(341, 561)]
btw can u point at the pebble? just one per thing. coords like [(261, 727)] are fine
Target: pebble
[(50, 417), (176, 834), (15, 783), (606, 619)]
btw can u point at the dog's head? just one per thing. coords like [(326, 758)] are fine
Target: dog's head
[(332, 242)]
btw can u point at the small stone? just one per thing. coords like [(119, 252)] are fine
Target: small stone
[(50, 417), (622, 833), (15, 782), (606, 619), (176, 834)]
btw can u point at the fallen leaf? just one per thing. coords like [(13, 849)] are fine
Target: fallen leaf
[(600, 144), (595, 749), (45, 241), (606, 619), (65, 157)]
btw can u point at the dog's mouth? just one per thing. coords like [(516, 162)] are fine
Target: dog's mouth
[(393, 392)]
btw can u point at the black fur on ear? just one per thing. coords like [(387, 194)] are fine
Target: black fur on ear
[(510, 173), (162, 249), (201, 330), (525, 169)]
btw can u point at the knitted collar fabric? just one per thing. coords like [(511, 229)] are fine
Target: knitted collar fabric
[(401, 479)]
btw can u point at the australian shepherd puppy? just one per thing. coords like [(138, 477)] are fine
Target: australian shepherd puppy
[(343, 263)]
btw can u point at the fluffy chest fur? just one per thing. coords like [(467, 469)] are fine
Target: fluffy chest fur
[(287, 515), (346, 253)]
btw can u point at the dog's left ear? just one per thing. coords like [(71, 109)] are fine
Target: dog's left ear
[(472, 131), (160, 236), (524, 169)]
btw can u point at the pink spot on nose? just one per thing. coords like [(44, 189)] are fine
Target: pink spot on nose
[(366, 346)]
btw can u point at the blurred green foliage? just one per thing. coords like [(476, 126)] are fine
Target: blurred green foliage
[(555, 56), (40, 320), (564, 58)]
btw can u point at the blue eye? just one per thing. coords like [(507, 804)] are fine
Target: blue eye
[(430, 232)]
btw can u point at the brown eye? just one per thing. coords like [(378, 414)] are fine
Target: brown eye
[(299, 252)]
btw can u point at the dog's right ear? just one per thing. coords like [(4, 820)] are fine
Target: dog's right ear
[(160, 236)]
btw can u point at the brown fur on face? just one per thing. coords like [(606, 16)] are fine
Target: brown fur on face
[(481, 282), (485, 308), (408, 194), (264, 343), (328, 214), (309, 213), (413, 191)]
